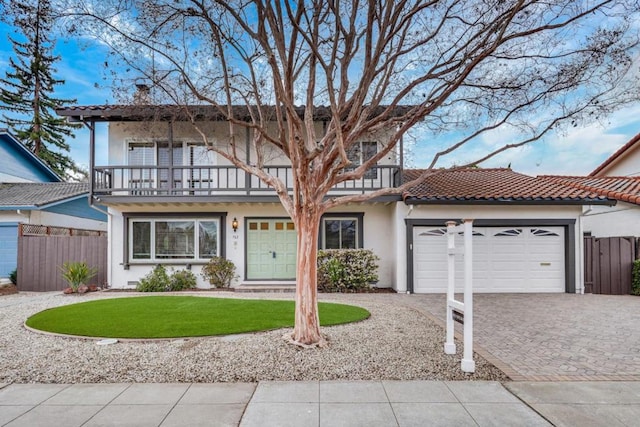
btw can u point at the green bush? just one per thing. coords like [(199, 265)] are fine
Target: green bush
[(181, 280), (635, 283), (156, 281), (346, 270), (77, 273), (13, 276), (219, 272)]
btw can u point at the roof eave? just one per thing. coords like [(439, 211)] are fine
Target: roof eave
[(506, 201)]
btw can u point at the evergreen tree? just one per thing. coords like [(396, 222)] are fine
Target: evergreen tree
[(27, 91)]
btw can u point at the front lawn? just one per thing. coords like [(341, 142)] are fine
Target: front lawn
[(180, 316)]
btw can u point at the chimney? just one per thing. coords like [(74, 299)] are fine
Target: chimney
[(142, 96)]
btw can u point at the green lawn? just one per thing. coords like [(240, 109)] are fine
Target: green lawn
[(180, 316)]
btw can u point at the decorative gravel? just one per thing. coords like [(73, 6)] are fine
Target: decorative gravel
[(395, 343)]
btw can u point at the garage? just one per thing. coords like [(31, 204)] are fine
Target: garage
[(514, 258)]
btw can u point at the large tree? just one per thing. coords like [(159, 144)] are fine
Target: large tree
[(27, 92), (474, 66)]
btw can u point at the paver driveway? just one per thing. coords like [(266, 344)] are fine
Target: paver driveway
[(554, 336)]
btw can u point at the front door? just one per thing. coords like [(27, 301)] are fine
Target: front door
[(271, 249)]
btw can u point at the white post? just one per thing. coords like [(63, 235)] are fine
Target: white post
[(450, 345), (467, 364)]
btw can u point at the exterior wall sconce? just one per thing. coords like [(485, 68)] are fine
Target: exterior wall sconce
[(234, 224)]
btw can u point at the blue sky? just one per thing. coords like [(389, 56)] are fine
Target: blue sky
[(576, 151)]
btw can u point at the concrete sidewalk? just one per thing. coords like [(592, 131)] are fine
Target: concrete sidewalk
[(326, 403)]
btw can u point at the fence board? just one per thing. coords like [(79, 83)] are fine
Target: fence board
[(40, 258), (608, 264)]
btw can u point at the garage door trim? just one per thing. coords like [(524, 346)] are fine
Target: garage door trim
[(569, 241)]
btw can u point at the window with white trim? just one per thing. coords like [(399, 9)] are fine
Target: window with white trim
[(161, 239), (339, 233)]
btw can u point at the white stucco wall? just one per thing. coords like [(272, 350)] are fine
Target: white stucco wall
[(623, 219), (627, 165), (497, 212), (376, 223)]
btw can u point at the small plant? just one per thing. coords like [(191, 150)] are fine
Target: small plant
[(156, 281), (13, 276), (635, 281), (77, 273), (219, 272), (181, 280)]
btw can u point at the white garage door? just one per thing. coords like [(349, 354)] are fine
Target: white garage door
[(505, 259)]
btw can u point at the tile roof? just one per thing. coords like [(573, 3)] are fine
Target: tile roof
[(31, 194), (616, 155), (200, 112), (622, 188), (469, 185)]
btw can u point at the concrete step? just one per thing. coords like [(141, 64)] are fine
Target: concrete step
[(276, 288)]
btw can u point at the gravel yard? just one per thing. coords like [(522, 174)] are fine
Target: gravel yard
[(396, 342)]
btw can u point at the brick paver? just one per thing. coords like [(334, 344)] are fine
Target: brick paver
[(558, 337)]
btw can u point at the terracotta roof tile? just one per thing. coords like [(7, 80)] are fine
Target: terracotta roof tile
[(492, 185), (616, 155), (621, 188)]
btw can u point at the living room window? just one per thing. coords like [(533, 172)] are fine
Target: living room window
[(159, 239), (342, 231)]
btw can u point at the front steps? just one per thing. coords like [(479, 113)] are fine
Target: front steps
[(268, 287)]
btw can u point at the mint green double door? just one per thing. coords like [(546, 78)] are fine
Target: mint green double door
[(271, 249)]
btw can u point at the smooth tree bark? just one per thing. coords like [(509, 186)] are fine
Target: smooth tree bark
[(507, 71)]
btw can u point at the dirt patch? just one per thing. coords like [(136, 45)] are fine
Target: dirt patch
[(8, 290)]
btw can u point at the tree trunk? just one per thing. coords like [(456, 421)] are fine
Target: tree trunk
[(306, 332)]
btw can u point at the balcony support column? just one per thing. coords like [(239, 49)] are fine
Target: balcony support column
[(92, 157), (170, 142)]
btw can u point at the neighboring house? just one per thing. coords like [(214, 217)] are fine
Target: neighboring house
[(173, 202), (623, 219), (31, 193), (624, 162)]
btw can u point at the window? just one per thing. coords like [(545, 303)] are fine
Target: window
[(360, 153), (340, 233), (174, 239), (509, 233)]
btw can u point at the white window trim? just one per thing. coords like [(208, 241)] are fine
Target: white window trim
[(153, 258)]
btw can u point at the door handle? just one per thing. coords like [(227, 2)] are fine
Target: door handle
[(273, 254)]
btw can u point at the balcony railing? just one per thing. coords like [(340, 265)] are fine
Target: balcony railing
[(144, 181)]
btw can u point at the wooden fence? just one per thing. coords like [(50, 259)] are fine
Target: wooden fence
[(608, 263), (42, 250)]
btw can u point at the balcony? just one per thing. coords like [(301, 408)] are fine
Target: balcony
[(155, 181)]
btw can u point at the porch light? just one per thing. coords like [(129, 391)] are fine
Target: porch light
[(234, 224)]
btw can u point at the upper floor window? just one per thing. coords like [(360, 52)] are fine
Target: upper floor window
[(360, 153)]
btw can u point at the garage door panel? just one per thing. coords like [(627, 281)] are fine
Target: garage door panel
[(506, 259)]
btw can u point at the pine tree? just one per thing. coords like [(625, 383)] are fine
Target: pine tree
[(27, 91)]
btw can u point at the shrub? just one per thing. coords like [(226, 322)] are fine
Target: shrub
[(13, 276), (181, 280), (77, 273), (346, 270), (156, 281), (635, 281), (219, 272)]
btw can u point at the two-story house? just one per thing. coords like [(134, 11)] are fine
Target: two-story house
[(172, 201)]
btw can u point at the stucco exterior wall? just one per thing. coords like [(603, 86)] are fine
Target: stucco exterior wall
[(376, 222), (623, 219), (627, 165)]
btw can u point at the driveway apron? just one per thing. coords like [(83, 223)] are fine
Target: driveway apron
[(552, 337)]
